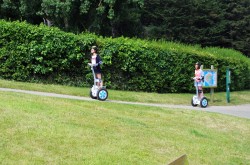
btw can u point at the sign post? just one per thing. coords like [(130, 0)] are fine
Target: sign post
[(212, 89), (228, 82)]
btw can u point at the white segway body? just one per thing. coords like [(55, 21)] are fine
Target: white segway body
[(93, 92), (195, 101), (203, 102)]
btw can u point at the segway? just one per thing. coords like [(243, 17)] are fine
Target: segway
[(203, 102), (96, 92)]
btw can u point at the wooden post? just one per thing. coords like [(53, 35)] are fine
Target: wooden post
[(182, 160), (212, 90)]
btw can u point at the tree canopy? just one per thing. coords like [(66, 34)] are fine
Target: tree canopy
[(207, 23)]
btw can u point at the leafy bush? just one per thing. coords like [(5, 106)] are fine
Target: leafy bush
[(43, 54), (31, 53), (159, 66)]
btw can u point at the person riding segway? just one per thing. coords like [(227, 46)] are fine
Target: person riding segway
[(98, 91), (199, 99)]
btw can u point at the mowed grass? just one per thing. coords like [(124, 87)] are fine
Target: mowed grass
[(45, 130), (237, 98)]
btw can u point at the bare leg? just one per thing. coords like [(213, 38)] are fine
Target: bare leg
[(200, 95), (99, 76)]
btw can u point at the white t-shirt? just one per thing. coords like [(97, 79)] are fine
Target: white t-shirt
[(93, 59)]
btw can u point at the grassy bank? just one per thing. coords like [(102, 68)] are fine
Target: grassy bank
[(240, 97), (41, 130)]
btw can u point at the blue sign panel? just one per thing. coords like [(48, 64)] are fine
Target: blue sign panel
[(210, 78)]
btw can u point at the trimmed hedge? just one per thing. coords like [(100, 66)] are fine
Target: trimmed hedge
[(135, 64), (48, 55), (40, 53)]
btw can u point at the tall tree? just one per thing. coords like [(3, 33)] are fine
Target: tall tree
[(207, 22), (224, 23), (189, 21), (58, 12), (113, 17), (28, 10), (104, 17), (9, 9), (238, 25)]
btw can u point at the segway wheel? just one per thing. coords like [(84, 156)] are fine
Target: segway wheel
[(91, 95), (204, 102), (192, 103), (102, 94)]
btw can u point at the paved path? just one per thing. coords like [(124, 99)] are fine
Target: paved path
[(238, 110)]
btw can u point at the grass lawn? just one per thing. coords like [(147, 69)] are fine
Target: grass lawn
[(44, 130), (239, 97)]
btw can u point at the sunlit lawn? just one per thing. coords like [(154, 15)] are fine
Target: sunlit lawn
[(44, 130)]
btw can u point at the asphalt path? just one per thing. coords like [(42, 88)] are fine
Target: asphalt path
[(235, 110)]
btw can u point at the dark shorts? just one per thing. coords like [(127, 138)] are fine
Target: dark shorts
[(97, 71)]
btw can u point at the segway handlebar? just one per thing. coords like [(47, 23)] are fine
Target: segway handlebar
[(194, 78), (92, 65)]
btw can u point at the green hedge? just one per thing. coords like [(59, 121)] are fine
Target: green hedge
[(134, 64), (39, 53), (48, 55)]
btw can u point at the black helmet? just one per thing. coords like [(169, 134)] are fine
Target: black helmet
[(199, 64), (95, 48)]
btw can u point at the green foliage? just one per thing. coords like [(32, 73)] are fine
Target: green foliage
[(208, 23), (39, 53), (187, 21), (238, 31), (166, 66)]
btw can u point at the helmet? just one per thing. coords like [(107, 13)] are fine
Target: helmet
[(95, 48), (199, 64)]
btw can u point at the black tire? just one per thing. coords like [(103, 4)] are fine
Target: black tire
[(102, 94), (204, 102), (90, 94), (192, 103)]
